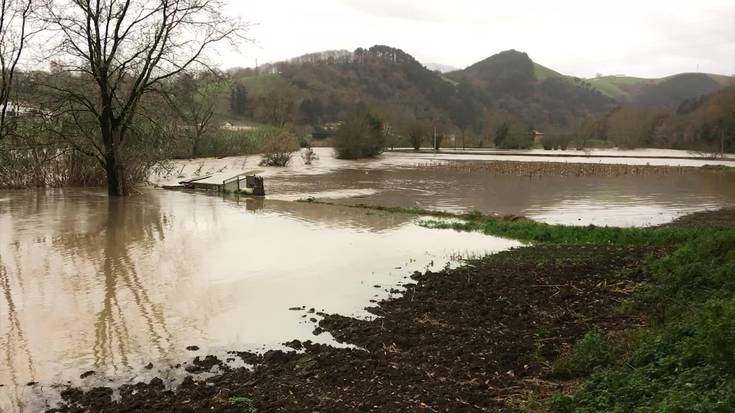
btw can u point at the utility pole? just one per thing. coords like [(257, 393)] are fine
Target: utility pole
[(435, 148), (722, 143)]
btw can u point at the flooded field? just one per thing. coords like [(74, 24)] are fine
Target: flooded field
[(91, 284)]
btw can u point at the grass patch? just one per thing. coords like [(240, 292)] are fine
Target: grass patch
[(527, 230), (245, 404)]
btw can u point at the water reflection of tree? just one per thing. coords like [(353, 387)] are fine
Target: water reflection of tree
[(128, 224), (14, 334), (108, 237)]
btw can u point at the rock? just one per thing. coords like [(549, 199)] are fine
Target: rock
[(86, 374)]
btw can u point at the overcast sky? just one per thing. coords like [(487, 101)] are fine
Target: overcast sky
[(640, 38)]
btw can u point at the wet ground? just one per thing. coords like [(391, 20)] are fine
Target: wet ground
[(477, 338)]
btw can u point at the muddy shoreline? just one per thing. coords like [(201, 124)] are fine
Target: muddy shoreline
[(479, 337)]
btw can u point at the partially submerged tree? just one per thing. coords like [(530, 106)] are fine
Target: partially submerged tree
[(125, 49), (417, 132), (278, 150), (360, 136), (14, 35)]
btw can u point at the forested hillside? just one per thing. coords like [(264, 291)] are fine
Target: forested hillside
[(498, 100)]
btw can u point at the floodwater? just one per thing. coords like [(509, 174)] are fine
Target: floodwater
[(399, 179), (89, 283)]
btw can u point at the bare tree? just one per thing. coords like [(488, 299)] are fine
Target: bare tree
[(193, 100), (278, 105), (126, 49), (14, 35)]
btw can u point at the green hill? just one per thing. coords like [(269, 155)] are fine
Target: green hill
[(665, 93)]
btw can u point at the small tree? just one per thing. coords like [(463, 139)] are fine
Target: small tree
[(417, 131), (501, 134), (193, 100), (238, 99), (14, 34), (277, 105), (360, 136), (278, 150)]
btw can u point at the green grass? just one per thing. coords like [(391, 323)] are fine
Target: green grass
[(526, 230), (543, 72), (244, 404), (618, 87)]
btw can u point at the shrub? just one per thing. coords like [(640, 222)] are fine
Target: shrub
[(417, 131), (278, 150), (360, 136)]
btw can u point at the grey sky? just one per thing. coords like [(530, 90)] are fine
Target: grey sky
[(639, 38)]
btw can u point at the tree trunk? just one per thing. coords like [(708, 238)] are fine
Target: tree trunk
[(116, 181)]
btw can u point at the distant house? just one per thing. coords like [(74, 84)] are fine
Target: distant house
[(537, 136), (229, 126), (17, 109)]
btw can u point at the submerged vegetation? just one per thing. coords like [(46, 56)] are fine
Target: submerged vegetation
[(531, 169)]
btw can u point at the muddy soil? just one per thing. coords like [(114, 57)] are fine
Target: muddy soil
[(470, 339), (723, 218)]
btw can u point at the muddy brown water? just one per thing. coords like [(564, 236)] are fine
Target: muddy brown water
[(93, 284), (88, 283)]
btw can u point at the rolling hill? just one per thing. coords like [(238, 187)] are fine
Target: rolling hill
[(666, 93), (324, 85)]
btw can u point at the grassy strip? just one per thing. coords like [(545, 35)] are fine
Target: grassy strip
[(526, 230)]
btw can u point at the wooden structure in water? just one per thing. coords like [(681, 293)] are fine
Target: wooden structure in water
[(238, 184)]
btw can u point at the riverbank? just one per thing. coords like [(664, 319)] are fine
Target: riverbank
[(500, 333)]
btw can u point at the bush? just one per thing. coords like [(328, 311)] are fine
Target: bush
[(278, 150), (360, 136), (417, 131), (550, 142)]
